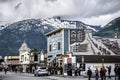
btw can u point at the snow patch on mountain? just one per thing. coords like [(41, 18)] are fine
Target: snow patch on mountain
[(55, 22), (88, 27)]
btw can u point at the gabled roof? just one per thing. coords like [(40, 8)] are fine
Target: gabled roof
[(24, 47)]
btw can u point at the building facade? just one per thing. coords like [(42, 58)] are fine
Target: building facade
[(57, 45), (12, 62), (24, 56), (41, 58), (77, 47)]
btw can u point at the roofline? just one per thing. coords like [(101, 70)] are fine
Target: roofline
[(54, 31)]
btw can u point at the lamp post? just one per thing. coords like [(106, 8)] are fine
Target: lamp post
[(83, 59), (102, 61), (82, 65)]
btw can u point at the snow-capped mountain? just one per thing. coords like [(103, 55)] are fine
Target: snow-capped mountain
[(56, 22), (3, 27), (33, 32)]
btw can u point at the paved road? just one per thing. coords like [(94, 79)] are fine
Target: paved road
[(24, 76)]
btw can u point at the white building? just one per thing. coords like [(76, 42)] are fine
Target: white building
[(24, 55)]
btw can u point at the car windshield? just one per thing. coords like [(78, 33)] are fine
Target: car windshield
[(43, 68)]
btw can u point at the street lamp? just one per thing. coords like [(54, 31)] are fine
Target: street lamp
[(82, 64), (83, 59), (102, 61)]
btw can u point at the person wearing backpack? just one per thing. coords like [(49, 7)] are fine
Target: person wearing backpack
[(89, 73)]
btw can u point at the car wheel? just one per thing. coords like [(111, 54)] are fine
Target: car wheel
[(34, 74)]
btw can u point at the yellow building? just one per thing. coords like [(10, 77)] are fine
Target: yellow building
[(12, 62)]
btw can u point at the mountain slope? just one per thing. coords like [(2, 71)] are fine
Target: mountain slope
[(110, 29), (33, 32)]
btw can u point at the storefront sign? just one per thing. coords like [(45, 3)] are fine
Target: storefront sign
[(65, 56)]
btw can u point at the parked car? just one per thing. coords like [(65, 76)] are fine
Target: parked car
[(41, 71)]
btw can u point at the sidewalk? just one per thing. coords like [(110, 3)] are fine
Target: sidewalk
[(26, 74), (1, 75), (22, 74)]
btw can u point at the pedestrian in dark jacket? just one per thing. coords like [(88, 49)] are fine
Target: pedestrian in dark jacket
[(109, 71), (89, 73), (116, 71), (50, 69), (61, 70), (96, 74), (101, 74), (75, 71), (119, 72), (5, 69)]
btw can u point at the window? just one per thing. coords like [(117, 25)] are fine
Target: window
[(25, 58), (50, 47), (35, 57), (22, 58), (58, 45)]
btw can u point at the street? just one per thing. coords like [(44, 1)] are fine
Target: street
[(25, 76)]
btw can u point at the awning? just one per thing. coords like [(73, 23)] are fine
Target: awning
[(98, 58)]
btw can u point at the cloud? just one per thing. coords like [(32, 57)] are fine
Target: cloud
[(84, 10), (101, 20)]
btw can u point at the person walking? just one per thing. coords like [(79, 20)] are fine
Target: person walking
[(70, 70), (61, 70), (89, 73), (5, 69), (75, 71), (104, 73), (96, 74), (79, 71), (116, 71), (33, 69), (109, 71), (101, 74), (119, 72)]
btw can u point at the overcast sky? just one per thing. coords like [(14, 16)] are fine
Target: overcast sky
[(94, 12)]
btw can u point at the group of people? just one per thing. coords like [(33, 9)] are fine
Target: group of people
[(77, 71), (117, 72), (102, 73), (54, 70)]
